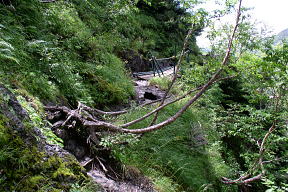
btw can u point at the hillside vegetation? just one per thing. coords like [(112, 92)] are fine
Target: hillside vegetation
[(71, 50)]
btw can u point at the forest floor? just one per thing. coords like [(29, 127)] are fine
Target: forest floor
[(103, 169)]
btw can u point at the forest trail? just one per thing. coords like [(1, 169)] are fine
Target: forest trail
[(145, 93)]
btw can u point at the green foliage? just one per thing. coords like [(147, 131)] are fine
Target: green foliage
[(61, 62), (85, 187), (32, 170), (175, 152), (245, 107), (36, 113), (68, 51), (243, 125), (6, 52), (111, 140), (164, 82)]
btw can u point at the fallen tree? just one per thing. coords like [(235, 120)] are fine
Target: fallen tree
[(89, 117)]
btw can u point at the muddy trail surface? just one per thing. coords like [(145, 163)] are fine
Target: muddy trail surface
[(146, 93), (98, 161)]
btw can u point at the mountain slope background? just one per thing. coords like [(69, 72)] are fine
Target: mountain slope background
[(281, 36)]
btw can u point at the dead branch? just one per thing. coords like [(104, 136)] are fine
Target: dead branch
[(47, 1), (113, 113), (159, 108), (259, 163), (168, 103), (85, 116), (175, 74), (100, 112), (93, 124)]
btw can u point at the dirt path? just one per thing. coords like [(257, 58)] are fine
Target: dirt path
[(113, 186), (146, 93), (101, 167)]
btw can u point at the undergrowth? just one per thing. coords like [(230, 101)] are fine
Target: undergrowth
[(180, 157), (44, 52), (69, 51), (164, 82)]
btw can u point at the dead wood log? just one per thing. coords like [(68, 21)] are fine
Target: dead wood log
[(93, 124)]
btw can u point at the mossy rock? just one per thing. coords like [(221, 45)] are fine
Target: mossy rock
[(27, 162)]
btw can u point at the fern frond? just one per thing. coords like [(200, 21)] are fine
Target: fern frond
[(5, 44), (10, 58)]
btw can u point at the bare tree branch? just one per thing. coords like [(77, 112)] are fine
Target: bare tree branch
[(93, 123), (176, 72), (159, 108), (114, 113), (259, 163), (168, 103)]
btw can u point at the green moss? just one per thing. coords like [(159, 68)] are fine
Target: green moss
[(31, 171), (25, 168), (36, 113), (35, 180), (63, 172)]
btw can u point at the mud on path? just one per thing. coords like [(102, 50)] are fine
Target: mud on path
[(98, 161), (131, 180), (146, 93)]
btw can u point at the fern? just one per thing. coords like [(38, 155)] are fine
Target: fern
[(6, 52)]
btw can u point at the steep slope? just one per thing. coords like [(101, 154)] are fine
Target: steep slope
[(68, 51), (30, 161), (71, 51)]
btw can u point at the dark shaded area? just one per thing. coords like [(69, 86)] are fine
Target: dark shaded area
[(234, 144), (232, 93), (150, 96), (135, 62), (6, 2)]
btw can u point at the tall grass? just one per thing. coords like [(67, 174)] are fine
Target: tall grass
[(49, 50), (171, 152)]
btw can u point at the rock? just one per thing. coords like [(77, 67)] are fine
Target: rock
[(150, 96), (113, 186), (26, 158), (145, 93)]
